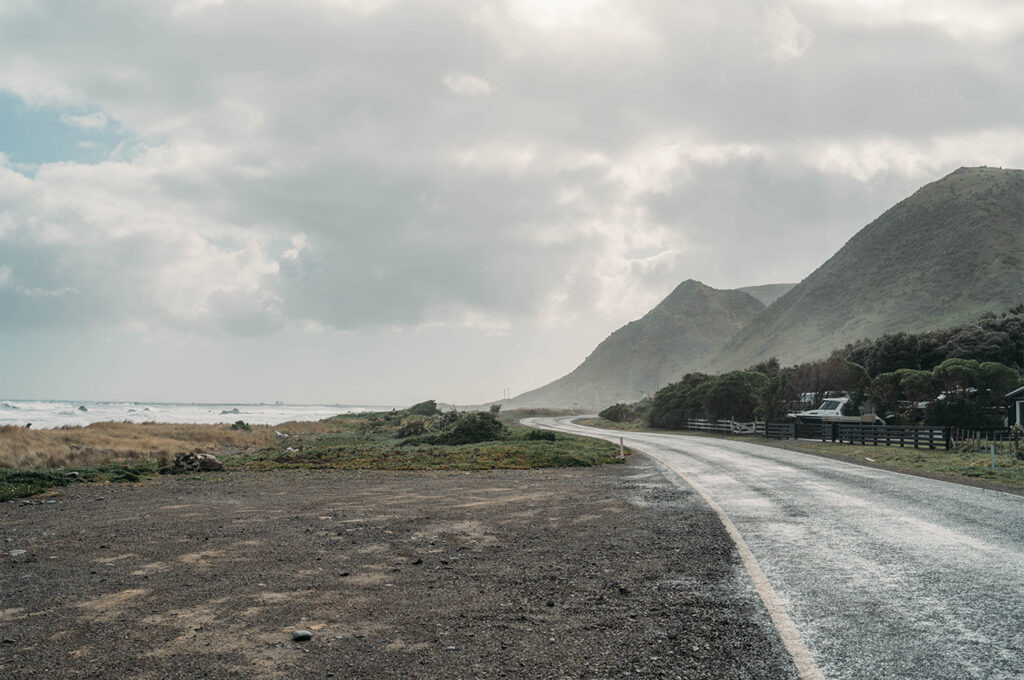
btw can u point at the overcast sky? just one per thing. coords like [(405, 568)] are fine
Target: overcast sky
[(378, 202)]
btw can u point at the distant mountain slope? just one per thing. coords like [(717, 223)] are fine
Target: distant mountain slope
[(668, 341), (951, 251), (768, 293)]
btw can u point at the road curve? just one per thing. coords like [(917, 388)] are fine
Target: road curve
[(884, 575)]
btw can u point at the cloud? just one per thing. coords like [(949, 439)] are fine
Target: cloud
[(89, 121), (866, 159), (998, 20), (466, 84), (789, 39), (298, 166)]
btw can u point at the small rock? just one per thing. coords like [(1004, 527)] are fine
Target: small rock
[(417, 561), (15, 553), (49, 502), (551, 603), (82, 408), (72, 475), (343, 574), (301, 635)]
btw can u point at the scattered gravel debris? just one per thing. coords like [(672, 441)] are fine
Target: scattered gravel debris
[(207, 578)]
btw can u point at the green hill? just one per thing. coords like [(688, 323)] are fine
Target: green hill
[(673, 338), (943, 256)]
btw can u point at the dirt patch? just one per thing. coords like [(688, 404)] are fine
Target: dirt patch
[(585, 573)]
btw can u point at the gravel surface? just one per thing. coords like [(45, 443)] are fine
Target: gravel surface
[(559, 573), (885, 575)]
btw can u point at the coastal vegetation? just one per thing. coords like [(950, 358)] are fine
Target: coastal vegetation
[(467, 441), (419, 438)]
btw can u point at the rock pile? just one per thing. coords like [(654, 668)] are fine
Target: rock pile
[(197, 461)]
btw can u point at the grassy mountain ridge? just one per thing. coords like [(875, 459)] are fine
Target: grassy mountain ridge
[(674, 337), (768, 293), (951, 251)]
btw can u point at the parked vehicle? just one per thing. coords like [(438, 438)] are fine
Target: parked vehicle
[(830, 408), (831, 411)]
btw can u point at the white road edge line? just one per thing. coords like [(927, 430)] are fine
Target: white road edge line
[(805, 664)]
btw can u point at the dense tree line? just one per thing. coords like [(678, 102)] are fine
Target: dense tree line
[(955, 376), (990, 338)]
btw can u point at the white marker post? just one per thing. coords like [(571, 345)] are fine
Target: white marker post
[(993, 445), (622, 450)]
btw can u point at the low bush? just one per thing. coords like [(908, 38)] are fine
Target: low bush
[(617, 413), (414, 427), (470, 428)]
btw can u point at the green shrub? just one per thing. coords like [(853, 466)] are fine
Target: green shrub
[(424, 408), (471, 428), (617, 413), (414, 427), (241, 425), (540, 435)]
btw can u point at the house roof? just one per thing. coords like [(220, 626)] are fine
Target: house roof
[(1018, 393)]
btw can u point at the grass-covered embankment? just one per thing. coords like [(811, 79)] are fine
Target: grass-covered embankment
[(32, 461), (372, 442), (969, 464)]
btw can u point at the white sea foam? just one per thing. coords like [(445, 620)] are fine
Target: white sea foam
[(49, 414)]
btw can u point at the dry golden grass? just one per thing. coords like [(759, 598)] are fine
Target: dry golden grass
[(101, 443)]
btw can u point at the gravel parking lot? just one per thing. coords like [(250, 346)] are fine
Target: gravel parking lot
[(555, 573)]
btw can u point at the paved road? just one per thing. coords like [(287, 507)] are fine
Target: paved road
[(884, 575)]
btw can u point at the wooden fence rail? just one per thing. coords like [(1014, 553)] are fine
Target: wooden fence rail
[(888, 435), (842, 433)]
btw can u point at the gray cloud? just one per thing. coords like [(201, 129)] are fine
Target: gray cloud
[(500, 167)]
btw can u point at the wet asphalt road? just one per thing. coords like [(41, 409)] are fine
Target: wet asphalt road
[(884, 575)]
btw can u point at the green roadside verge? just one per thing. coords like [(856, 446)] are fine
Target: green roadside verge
[(966, 465), (357, 442)]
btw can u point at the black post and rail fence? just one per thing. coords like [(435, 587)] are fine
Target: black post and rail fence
[(864, 434)]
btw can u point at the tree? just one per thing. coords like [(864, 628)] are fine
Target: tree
[(886, 391), (773, 399), (734, 395), (957, 375), (918, 386), (769, 368), (677, 402), (994, 380)]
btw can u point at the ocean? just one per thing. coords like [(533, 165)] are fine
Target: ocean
[(50, 414)]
